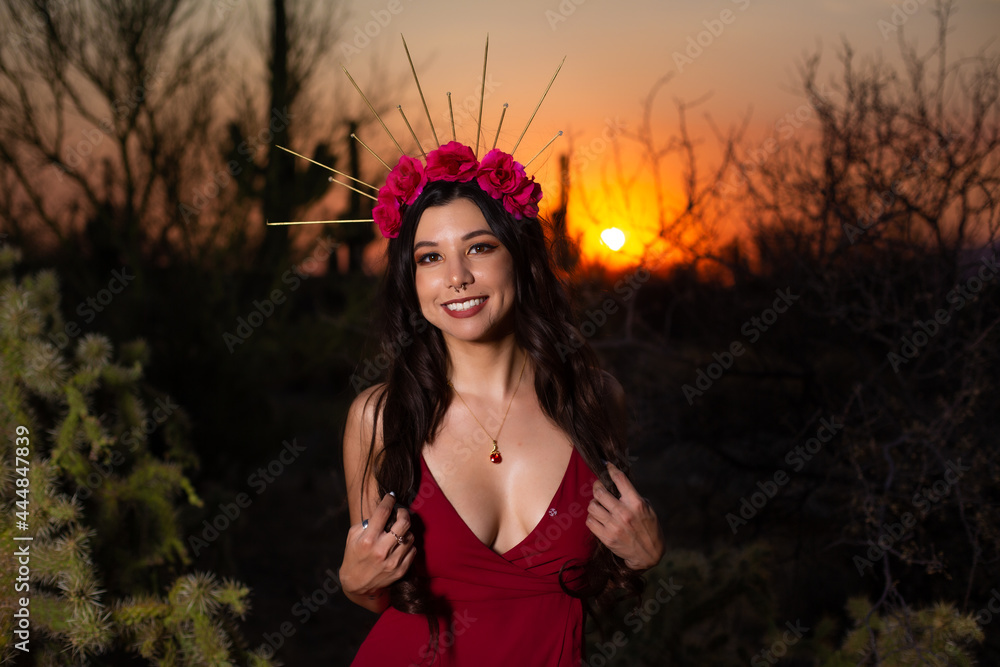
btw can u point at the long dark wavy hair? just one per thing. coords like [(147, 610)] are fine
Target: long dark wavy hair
[(570, 385)]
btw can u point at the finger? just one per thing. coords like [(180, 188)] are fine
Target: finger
[(404, 564), (396, 557), (358, 531), (621, 480), (405, 539), (597, 528), (599, 512), (387, 545), (605, 498), (354, 531), (630, 497), (400, 551), (402, 523), (381, 514)]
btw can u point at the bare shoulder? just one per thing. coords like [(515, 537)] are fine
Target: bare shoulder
[(359, 449), (361, 414)]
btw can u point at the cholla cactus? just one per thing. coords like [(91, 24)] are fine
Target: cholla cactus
[(939, 635), (91, 480)]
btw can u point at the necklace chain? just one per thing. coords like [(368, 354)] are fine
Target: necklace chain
[(495, 454)]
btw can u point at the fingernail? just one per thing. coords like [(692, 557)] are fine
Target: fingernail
[(392, 493)]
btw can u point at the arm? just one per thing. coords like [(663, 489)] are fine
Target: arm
[(372, 558)]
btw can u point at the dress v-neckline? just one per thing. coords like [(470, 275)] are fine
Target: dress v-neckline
[(473, 535)]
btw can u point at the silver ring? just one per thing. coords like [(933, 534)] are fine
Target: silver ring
[(399, 539), (364, 524)]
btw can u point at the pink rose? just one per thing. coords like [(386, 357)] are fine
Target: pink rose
[(452, 162), (386, 214), (524, 202), (499, 174), (407, 180)]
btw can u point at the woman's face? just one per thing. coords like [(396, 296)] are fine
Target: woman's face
[(464, 276)]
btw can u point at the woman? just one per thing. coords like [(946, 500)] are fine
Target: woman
[(445, 495)]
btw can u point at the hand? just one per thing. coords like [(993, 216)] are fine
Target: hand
[(628, 526), (373, 558)]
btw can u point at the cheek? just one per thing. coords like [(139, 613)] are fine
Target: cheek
[(509, 282), (500, 274)]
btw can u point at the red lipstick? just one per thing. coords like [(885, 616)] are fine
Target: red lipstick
[(468, 312)]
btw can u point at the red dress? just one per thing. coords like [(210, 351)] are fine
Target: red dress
[(505, 609)]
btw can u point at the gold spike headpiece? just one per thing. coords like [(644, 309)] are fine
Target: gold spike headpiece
[(498, 174)]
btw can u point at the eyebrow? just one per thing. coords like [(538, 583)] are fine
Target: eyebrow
[(478, 232)]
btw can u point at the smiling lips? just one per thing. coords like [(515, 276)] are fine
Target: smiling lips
[(465, 307)]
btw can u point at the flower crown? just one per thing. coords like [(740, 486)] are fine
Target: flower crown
[(499, 175)]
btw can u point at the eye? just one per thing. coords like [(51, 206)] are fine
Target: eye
[(427, 258), (481, 248)]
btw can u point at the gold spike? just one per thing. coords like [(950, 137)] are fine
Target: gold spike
[(482, 96), (412, 133), (334, 180), (358, 139), (358, 88), (419, 90), (502, 114), (558, 134), (539, 105), (452, 112), (319, 164), (483, 135), (314, 222)]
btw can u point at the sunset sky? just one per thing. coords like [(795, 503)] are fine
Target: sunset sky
[(744, 53)]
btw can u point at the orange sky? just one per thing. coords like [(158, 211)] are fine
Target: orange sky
[(743, 53)]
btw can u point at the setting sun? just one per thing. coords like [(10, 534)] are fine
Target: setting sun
[(613, 237), (619, 230)]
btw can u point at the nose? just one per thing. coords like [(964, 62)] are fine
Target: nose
[(459, 273)]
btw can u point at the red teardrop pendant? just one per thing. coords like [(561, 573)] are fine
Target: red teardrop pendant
[(495, 454)]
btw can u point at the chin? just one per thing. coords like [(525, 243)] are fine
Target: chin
[(476, 330)]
